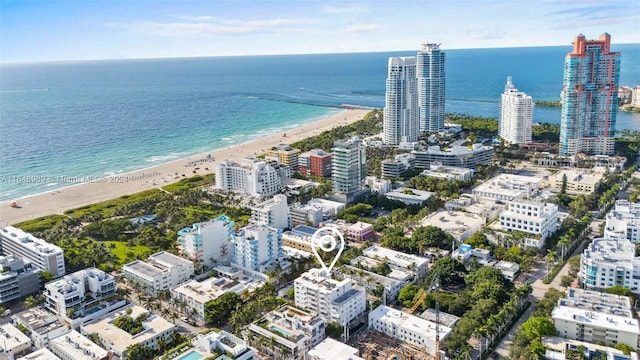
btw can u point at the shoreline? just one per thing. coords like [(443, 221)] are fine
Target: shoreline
[(92, 190)]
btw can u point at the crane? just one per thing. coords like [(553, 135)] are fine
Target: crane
[(434, 286)]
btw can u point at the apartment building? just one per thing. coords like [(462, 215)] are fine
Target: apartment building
[(294, 330), (252, 177), (439, 171), (217, 341), (532, 217), (461, 225), (41, 254), (623, 222), (415, 266), (596, 317), (82, 296), (578, 181), (209, 242), (299, 238), (306, 214), (315, 162), (360, 231), (407, 328), (457, 155), (161, 271), (610, 262), (256, 247), (75, 346), (285, 154), (337, 301), (516, 115), (196, 294), (348, 169), (273, 213), (41, 324), (507, 187), (14, 342), (118, 340), (330, 349), (18, 278), (396, 167)]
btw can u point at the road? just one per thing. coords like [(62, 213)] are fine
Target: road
[(540, 288)]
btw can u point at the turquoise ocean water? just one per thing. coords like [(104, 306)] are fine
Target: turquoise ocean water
[(75, 119)]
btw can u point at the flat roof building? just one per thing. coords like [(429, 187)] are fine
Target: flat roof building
[(578, 181), (507, 187), (623, 222), (461, 225), (315, 162), (273, 212), (256, 247), (610, 262), (41, 254), (285, 154), (337, 301), (407, 328), (118, 340), (330, 349), (41, 324), (221, 341), (415, 266), (409, 196), (14, 341), (439, 171), (18, 278), (161, 271), (207, 242), (457, 155), (291, 328), (42, 354), (75, 346)]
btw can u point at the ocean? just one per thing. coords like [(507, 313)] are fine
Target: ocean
[(97, 118)]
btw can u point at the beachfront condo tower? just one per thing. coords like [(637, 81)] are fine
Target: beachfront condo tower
[(348, 169), (589, 97), (430, 75), (401, 119), (516, 114)]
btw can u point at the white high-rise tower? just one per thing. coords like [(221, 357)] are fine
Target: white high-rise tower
[(516, 115), (431, 87), (401, 119)]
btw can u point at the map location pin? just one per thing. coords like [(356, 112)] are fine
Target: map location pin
[(327, 239)]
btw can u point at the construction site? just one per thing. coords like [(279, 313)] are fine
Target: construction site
[(374, 345)]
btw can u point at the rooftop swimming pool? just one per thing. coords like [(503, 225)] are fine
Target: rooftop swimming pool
[(277, 329)]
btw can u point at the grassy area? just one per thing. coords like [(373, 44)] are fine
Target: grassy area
[(41, 223), (122, 248), (107, 208), (190, 183)]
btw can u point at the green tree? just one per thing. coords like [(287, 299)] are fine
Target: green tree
[(538, 326), (218, 310), (620, 290), (407, 295), (46, 277), (139, 351), (334, 330), (626, 349)]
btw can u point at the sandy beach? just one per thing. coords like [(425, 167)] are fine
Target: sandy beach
[(88, 191)]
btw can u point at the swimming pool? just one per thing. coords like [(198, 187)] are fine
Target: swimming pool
[(191, 355), (277, 329)]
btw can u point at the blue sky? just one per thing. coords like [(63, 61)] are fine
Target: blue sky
[(95, 29)]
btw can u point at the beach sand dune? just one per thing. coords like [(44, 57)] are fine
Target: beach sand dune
[(89, 192)]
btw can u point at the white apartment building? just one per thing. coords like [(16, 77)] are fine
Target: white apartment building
[(516, 115), (394, 168), (330, 349), (82, 296), (41, 324), (381, 186), (75, 346), (337, 301), (329, 208), (623, 222), (299, 238), (273, 213), (196, 294), (456, 155), (558, 348), (18, 278), (596, 317), (118, 340), (14, 342), (610, 262), (532, 217), (306, 214), (161, 271), (207, 242), (407, 328), (415, 266), (488, 209), (401, 118), (370, 280), (437, 170), (507, 187), (251, 176), (41, 254), (461, 225), (294, 329), (226, 343), (256, 247)]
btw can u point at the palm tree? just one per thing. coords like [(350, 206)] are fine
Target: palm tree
[(563, 244), (550, 259)]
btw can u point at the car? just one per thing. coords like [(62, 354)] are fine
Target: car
[(185, 319)]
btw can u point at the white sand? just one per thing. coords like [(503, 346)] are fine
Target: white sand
[(58, 201)]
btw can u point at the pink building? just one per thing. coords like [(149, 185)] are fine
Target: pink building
[(359, 231)]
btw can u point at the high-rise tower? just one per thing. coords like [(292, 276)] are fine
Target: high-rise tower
[(589, 97), (431, 87), (401, 121), (348, 168), (516, 115)]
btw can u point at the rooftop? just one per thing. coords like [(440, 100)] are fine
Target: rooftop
[(38, 319), (212, 288), (42, 354), (119, 339), (330, 349), (454, 222), (611, 250), (28, 241), (12, 339), (406, 321), (164, 257), (599, 298), (395, 257), (448, 320), (596, 319), (78, 347), (144, 269), (414, 195), (313, 278)]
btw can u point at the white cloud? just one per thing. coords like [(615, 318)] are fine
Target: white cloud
[(363, 28), (351, 9)]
